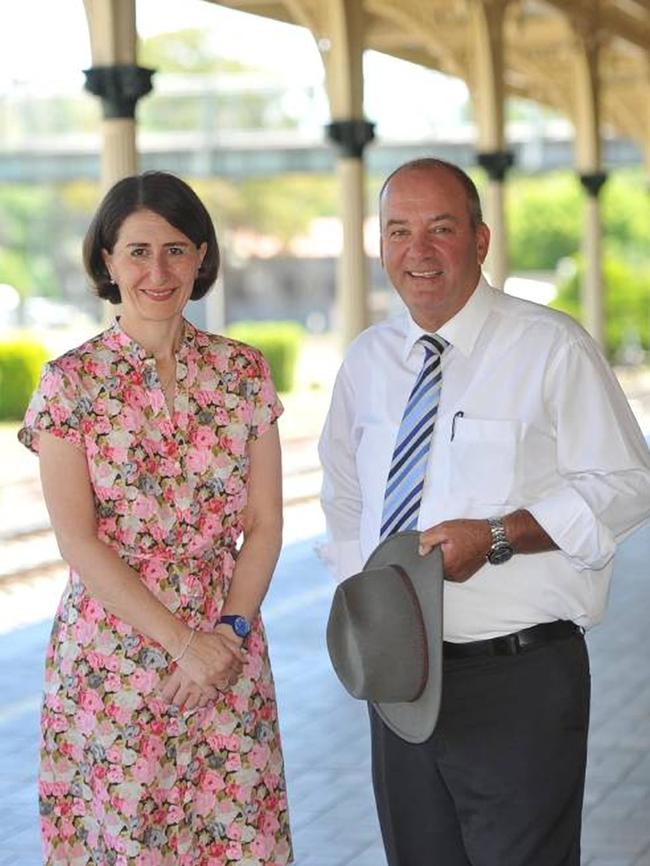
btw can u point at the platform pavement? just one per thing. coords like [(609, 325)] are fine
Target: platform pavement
[(325, 731)]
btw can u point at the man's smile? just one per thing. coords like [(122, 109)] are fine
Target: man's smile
[(426, 275)]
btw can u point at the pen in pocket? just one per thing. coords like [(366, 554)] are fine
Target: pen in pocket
[(459, 414)]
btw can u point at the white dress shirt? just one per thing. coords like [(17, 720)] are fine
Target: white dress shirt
[(531, 416)]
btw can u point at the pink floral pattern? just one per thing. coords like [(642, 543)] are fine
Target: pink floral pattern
[(125, 779)]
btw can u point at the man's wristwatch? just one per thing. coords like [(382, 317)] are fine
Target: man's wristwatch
[(501, 549), (239, 624)]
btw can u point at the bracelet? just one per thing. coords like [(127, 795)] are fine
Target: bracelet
[(186, 647)]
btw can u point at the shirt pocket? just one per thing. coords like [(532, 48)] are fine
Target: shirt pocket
[(483, 459)]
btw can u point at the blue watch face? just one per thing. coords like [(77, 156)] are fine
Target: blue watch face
[(239, 624)]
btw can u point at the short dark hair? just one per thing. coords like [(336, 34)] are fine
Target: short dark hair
[(432, 163), (163, 194)]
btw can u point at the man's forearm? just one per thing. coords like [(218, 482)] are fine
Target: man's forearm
[(525, 534)]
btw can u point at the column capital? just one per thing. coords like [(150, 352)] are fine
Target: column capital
[(119, 87), (496, 163), (592, 182), (350, 136)]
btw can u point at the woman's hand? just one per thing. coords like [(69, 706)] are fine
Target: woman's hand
[(178, 689), (213, 660)]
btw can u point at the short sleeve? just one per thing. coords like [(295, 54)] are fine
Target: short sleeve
[(54, 408), (267, 407)]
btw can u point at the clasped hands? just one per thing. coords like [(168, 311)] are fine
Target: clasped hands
[(212, 663), (464, 545)]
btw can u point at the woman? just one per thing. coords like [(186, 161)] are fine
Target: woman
[(158, 451)]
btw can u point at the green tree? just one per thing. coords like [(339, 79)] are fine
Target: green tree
[(41, 229), (187, 51), (626, 215), (283, 206), (627, 301), (544, 220)]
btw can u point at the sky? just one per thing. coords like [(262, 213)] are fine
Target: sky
[(48, 58)]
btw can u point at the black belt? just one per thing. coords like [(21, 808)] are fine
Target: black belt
[(512, 644)]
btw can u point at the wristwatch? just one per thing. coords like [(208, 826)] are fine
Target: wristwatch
[(501, 550), (239, 624)]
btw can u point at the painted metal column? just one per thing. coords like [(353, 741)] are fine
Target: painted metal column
[(589, 167), (343, 24), (593, 295), (496, 164), (486, 48), (117, 81), (351, 138)]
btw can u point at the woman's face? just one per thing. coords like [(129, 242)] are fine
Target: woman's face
[(154, 265)]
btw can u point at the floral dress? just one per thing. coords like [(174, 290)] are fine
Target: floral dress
[(126, 779)]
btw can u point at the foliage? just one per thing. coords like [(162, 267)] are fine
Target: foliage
[(21, 360), (627, 301), (279, 342), (284, 206), (214, 104), (187, 51), (544, 220), (40, 237), (626, 215)]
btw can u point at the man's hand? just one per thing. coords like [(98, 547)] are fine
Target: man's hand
[(464, 545)]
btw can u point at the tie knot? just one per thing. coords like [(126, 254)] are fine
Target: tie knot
[(434, 344)]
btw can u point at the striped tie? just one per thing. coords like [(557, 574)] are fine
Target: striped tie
[(406, 475)]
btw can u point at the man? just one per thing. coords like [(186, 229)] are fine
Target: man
[(535, 470)]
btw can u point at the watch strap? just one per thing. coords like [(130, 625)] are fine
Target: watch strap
[(501, 549), (498, 531), (238, 623)]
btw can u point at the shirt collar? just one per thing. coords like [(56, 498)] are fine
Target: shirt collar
[(117, 337), (462, 330)]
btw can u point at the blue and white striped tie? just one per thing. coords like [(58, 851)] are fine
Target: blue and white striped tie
[(406, 475)]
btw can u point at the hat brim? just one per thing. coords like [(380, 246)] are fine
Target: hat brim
[(415, 721)]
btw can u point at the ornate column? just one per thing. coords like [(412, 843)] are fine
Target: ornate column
[(350, 138), (496, 164), (343, 24), (117, 81), (589, 166), (592, 295), (119, 87), (486, 47)]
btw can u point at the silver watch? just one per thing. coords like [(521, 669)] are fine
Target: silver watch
[(501, 550)]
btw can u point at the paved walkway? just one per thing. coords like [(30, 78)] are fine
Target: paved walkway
[(324, 731)]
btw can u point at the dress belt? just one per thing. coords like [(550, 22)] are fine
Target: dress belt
[(512, 644)]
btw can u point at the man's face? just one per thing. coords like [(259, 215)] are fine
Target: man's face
[(429, 248)]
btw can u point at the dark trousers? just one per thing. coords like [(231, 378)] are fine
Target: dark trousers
[(500, 782)]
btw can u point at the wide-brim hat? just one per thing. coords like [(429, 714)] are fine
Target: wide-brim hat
[(384, 635)]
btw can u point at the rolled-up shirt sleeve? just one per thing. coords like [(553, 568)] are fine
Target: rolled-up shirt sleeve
[(341, 497), (602, 459)]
